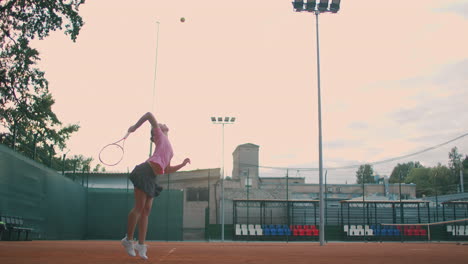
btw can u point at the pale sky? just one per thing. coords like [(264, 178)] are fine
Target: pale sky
[(393, 81)]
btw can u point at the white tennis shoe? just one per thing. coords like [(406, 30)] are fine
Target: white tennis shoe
[(129, 246), (141, 250)]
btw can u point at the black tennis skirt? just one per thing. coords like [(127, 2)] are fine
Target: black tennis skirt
[(143, 178)]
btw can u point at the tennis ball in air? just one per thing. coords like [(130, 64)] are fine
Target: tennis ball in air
[(182, 19)]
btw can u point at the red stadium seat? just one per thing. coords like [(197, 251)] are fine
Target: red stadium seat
[(410, 232), (296, 232), (309, 232), (313, 227), (302, 232), (316, 232)]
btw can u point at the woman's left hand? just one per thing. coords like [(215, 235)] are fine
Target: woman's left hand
[(131, 129)]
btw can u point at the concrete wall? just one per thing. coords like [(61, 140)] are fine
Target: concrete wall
[(243, 156)]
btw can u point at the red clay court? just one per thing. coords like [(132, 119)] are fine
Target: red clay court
[(111, 252)]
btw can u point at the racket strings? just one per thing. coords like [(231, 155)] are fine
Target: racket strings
[(111, 154)]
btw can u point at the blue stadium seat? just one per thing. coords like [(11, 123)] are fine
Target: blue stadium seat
[(280, 232), (383, 232), (273, 232), (266, 231), (287, 231), (389, 231)]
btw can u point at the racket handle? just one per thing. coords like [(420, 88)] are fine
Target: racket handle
[(126, 135)]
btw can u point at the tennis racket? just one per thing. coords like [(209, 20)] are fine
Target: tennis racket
[(113, 153)]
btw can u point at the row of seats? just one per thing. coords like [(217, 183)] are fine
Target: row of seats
[(304, 230), (244, 230), (358, 230), (302, 227), (458, 230), (416, 230), (373, 230), (276, 230)]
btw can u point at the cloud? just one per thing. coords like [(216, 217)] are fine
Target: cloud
[(453, 76), (358, 125), (440, 107), (459, 8)]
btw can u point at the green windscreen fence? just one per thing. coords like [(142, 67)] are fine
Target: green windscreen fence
[(46, 201), (107, 211), (57, 207)]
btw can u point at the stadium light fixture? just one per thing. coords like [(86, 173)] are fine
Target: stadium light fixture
[(335, 6), (298, 5), (310, 5), (321, 7)]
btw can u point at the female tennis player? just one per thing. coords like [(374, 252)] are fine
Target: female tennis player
[(143, 178)]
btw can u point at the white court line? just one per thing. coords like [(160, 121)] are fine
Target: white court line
[(167, 255)]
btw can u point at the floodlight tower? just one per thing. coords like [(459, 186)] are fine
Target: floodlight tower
[(222, 121), (318, 7)]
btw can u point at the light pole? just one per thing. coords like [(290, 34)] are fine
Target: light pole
[(462, 188), (322, 6), (222, 121), (63, 162), (248, 187), (154, 79)]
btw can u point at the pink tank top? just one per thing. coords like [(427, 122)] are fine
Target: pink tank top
[(163, 153)]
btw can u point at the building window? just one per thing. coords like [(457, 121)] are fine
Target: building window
[(330, 189), (338, 189), (248, 183), (197, 194)]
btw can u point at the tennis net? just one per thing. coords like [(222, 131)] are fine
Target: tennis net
[(452, 228)]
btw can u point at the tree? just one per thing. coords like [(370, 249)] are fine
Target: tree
[(455, 160), (455, 163), (365, 173), (424, 181), (403, 170), (446, 181), (99, 168), (465, 162), (25, 104), (432, 181)]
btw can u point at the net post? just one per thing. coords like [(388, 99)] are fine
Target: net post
[(428, 232)]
